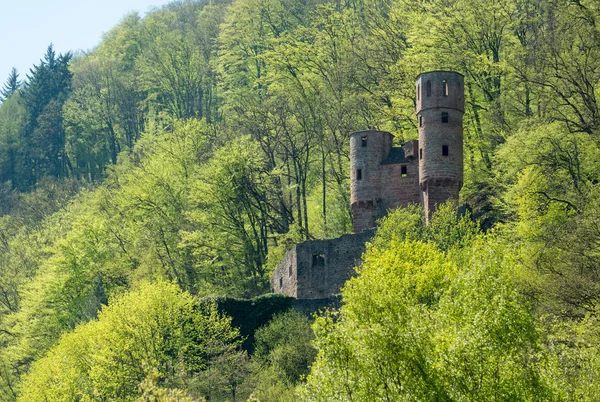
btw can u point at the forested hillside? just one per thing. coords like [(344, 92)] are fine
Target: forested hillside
[(179, 159)]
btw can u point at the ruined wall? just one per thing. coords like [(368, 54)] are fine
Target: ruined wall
[(365, 214), (313, 277), (341, 255), (285, 279), (400, 190)]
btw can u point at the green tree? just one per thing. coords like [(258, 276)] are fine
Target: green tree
[(11, 85), (283, 354), (233, 218), (44, 94), (156, 330), (422, 324)]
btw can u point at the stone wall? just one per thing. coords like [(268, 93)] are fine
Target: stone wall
[(365, 214), (398, 190), (455, 94), (440, 108), (368, 159), (319, 268), (437, 192), (285, 279)]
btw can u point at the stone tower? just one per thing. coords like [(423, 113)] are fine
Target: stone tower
[(367, 150), (440, 108)]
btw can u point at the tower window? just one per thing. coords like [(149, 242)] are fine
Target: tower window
[(421, 153), (290, 270), (444, 117), (280, 283), (318, 260), (445, 88), (418, 91), (363, 141), (428, 88), (420, 121), (444, 150), (358, 174), (403, 171)]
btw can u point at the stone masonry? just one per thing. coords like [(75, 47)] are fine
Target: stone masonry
[(319, 268), (428, 172)]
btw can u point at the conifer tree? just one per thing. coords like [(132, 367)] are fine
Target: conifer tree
[(11, 85)]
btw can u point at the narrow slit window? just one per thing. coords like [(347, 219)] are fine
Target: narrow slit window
[(280, 283), (318, 260), (444, 150), (403, 171), (421, 153), (363, 141), (444, 117), (418, 91), (358, 174), (420, 121), (290, 270), (428, 88), (445, 88)]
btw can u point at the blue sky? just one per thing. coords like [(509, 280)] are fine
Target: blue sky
[(27, 27)]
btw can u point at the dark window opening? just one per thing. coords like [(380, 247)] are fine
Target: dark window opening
[(318, 260), (444, 117), (418, 91), (290, 270), (403, 170), (421, 153), (358, 174), (445, 88), (428, 88), (363, 141), (281, 283), (444, 150), (420, 121)]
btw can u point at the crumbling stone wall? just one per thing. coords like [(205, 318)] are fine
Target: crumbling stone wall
[(319, 268)]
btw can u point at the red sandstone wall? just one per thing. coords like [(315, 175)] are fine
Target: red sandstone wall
[(367, 159), (455, 98), (440, 176), (438, 192), (397, 190), (366, 193)]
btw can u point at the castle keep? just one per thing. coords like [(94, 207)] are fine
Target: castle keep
[(427, 172)]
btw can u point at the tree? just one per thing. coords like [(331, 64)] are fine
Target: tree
[(419, 323), (44, 94), (233, 218), (11, 85), (157, 331)]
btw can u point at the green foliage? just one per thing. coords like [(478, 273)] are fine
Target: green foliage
[(285, 345), (248, 315), (233, 217), (11, 85), (448, 227), (421, 324), (156, 332), (215, 135), (282, 357)]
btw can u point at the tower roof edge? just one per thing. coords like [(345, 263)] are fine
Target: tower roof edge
[(438, 71)]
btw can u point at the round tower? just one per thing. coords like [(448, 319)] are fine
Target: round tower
[(367, 150), (440, 109)]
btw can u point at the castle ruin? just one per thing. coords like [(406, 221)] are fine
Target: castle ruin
[(427, 171)]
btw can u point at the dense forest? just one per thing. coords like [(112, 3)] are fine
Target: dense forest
[(176, 162)]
